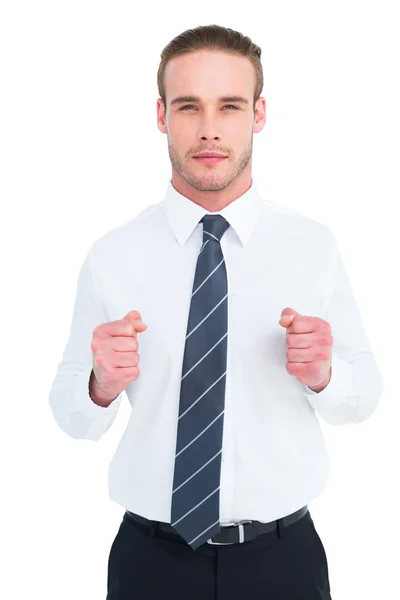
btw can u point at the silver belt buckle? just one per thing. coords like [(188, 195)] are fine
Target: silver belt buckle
[(241, 534)]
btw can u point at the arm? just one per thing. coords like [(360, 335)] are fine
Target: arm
[(81, 413), (355, 385)]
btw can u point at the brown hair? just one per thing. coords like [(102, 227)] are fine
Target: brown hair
[(211, 37)]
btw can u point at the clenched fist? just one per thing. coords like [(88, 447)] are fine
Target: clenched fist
[(115, 357), (309, 355)]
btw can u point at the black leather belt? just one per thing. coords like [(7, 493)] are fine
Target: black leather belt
[(241, 531)]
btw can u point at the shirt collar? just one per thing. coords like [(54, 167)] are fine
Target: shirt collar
[(184, 215)]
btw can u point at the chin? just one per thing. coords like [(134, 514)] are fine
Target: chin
[(209, 184)]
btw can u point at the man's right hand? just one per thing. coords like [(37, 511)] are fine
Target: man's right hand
[(115, 357)]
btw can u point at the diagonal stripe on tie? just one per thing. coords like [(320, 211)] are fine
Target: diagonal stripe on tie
[(196, 484)]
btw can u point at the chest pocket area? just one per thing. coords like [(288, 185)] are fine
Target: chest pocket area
[(254, 323)]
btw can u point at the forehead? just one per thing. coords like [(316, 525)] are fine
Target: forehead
[(209, 74)]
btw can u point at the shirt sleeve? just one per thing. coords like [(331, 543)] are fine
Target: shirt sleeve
[(72, 407), (355, 386)]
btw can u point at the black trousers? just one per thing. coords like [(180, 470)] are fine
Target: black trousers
[(291, 567)]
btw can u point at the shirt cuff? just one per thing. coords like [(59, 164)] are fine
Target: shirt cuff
[(339, 387), (87, 418)]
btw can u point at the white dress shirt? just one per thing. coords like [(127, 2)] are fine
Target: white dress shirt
[(274, 458)]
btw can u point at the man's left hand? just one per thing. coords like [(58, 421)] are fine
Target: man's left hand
[(309, 353)]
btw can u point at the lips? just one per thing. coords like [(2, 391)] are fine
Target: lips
[(210, 155), (209, 160)]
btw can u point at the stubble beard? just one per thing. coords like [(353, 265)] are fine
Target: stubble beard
[(209, 180)]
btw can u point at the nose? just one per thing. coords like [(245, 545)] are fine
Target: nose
[(208, 127), (210, 137)]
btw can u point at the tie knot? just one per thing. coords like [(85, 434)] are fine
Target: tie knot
[(214, 227)]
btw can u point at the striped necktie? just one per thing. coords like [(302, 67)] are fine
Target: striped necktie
[(196, 484)]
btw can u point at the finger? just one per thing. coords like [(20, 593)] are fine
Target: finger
[(133, 315), (304, 370), (303, 324), (124, 359), (124, 374), (298, 355), (325, 340), (124, 343), (300, 340), (135, 318), (286, 320), (307, 354), (121, 327)]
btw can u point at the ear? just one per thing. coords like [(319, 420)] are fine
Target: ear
[(260, 115), (161, 116)]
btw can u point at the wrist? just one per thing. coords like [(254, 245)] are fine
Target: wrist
[(97, 394), (322, 386)]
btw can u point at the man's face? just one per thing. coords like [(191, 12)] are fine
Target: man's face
[(207, 123)]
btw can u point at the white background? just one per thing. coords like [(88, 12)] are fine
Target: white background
[(81, 154)]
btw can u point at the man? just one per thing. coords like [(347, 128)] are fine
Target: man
[(250, 332)]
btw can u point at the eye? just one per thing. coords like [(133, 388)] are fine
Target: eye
[(192, 105)]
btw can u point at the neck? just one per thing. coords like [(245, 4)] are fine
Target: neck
[(213, 201)]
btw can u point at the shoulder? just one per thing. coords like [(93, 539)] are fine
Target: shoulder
[(289, 222), (121, 238)]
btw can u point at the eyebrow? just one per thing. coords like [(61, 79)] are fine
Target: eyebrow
[(181, 99)]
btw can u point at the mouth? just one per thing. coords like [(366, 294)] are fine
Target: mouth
[(210, 158)]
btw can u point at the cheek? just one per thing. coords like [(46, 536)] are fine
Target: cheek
[(180, 137)]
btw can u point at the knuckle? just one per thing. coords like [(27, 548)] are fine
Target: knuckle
[(133, 374), (100, 360), (97, 330)]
